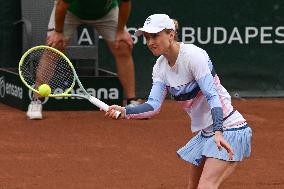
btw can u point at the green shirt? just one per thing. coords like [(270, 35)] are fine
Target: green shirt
[(91, 9)]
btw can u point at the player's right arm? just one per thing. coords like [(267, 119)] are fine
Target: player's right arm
[(56, 38), (122, 34), (146, 110), (61, 10), (152, 106)]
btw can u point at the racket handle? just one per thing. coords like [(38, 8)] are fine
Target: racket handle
[(103, 105)]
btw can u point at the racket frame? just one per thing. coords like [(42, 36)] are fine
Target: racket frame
[(66, 93)]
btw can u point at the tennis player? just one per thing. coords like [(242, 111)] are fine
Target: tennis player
[(187, 73)]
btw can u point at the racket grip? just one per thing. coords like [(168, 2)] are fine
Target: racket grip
[(103, 105)]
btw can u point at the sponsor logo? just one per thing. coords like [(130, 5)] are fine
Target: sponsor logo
[(14, 90), (10, 89), (100, 93), (148, 20), (2, 87)]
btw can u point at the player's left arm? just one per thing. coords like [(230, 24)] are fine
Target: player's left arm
[(205, 80)]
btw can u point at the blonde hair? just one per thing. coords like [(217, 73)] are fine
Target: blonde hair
[(176, 29)]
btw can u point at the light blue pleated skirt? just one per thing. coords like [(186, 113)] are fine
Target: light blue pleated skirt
[(201, 146)]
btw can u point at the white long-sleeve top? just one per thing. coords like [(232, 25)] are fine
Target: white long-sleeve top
[(194, 84)]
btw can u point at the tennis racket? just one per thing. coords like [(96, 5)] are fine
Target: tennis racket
[(46, 65)]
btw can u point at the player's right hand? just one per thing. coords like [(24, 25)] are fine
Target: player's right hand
[(112, 109), (123, 36), (56, 40)]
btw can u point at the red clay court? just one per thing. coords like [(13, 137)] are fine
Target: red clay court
[(84, 150)]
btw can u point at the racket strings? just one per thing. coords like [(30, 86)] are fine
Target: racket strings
[(44, 66)]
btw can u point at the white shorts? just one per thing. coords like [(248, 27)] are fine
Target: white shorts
[(106, 26)]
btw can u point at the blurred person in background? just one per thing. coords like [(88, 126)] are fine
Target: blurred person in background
[(109, 17)]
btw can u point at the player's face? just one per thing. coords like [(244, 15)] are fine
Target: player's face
[(158, 43)]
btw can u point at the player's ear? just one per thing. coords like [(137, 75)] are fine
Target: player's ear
[(172, 36)]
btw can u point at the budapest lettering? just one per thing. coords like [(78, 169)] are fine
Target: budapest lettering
[(223, 35)]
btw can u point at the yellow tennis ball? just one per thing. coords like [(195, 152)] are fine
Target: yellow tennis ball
[(44, 90)]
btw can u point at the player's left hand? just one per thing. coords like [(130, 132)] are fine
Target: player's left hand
[(123, 36), (221, 142)]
